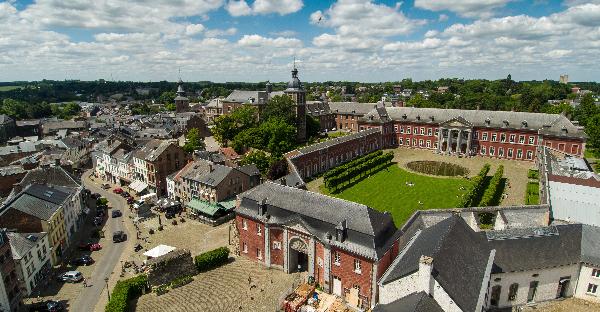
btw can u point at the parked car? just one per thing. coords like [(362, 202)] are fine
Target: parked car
[(125, 194), (105, 186), (89, 246), (116, 213), (170, 214), (71, 277), (119, 236), (130, 200), (118, 190), (47, 306), (96, 196), (98, 221), (83, 260)]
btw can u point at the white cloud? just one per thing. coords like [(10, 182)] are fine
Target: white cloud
[(467, 8), (260, 41), (194, 29), (281, 7), (442, 18), (221, 32)]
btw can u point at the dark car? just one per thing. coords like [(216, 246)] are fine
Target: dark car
[(47, 306), (83, 260), (130, 200), (98, 221), (125, 194), (96, 196), (119, 236), (116, 213), (100, 213)]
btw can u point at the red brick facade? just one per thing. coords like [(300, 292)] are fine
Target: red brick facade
[(351, 278)]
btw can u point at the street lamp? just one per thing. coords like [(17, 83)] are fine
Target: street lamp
[(107, 290)]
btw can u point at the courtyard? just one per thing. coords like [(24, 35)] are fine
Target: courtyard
[(402, 192)]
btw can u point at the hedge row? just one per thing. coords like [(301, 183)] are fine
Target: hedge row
[(359, 170), (533, 174), (476, 187), (532, 194), (357, 161), (211, 259), (125, 291), (493, 188)]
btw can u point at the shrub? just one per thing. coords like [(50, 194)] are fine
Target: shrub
[(180, 281), (533, 174), (437, 168), (161, 290), (101, 201), (211, 259), (495, 186), (476, 187), (125, 291), (369, 163)]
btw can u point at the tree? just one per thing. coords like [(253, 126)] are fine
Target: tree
[(167, 97), (280, 136), (259, 158), (313, 126), (592, 129), (193, 141), (280, 106), (586, 109), (226, 127), (13, 108), (170, 107)]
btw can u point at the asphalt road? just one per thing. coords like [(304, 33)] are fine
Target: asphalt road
[(90, 295)]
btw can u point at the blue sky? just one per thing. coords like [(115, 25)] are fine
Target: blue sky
[(256, 40)]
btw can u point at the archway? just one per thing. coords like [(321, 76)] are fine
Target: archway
[(298, 255), (444, 147)]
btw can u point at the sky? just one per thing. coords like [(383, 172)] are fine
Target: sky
[(258, 40)]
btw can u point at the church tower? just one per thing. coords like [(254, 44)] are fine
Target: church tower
[(181, 102), (296, 92)]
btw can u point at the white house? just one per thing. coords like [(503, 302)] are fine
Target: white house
[(32, 258)]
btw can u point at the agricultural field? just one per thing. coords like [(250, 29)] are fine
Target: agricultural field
[(9, 88)]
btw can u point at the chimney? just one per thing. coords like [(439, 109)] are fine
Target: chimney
[(262, 206), (341, 231), (425, 280)]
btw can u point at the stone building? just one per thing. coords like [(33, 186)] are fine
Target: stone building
[(156, 160), (182, 104), (10, 291), (345, 246), (31, 252)]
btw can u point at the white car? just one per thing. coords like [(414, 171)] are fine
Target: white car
[(71, 277)]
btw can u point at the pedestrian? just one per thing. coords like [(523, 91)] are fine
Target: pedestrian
[(84, 282)]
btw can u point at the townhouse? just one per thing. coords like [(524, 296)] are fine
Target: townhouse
[(155, 161), (10, 291), (31, 252)]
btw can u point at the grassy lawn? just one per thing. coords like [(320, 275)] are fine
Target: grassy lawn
[(591, 153), (9, 88), (387, 191)]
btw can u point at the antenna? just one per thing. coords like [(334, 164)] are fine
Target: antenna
[(179, 72)]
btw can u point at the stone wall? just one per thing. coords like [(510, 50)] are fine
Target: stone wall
[(168, 267)]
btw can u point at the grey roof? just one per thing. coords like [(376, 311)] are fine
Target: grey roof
[(152, 149), (11, 170), (336, 141), (590, 244), (531, 249), (39, 201), (242, 96), (22, 243), (369, 232), (460, 257), (415, 302), (52, 175), (249, 170), (354, 108), (550, 124), (206, 172)]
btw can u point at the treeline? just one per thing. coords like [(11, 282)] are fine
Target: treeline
[(21, 110), (357, 168)]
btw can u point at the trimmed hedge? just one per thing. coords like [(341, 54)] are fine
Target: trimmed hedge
[(211, 259), (476, 188), (359, 170), (125, 291), (493, 188), (355, 162), (532, 195), (533, 174), (180, 281)]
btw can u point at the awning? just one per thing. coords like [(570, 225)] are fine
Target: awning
[(138, 186), (158, 251), (203, 207), (228, 204)]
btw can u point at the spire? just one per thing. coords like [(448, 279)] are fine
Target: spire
[(180, 91), (294, 70)]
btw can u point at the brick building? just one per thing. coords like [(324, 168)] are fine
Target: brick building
[(497, 134), (345, 246), (320, 157), (156, 160), (10, 291)]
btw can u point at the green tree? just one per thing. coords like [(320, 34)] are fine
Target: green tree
[(281, 136), (313, 126), (167, 97), (586, 109), (592, 129), (13, 108), (224, 129), (170, 107), (280, 106), (259, 158), (193, 141)]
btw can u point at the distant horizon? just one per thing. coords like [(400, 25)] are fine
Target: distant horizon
[(331, 40)]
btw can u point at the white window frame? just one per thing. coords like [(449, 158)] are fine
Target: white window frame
[(258, 230), (529, 155), (421, 142), (511, 138), (422, 131), (502, 137), (519, 154), (484, 136), (400, 141), (500, 152), (244, 247), (401, 129), (531, 140), (494, 137), (521, 139), (596, 273), (408, 130), (429, 132), (592, 289), (357, 266), (510, 153), (483, 150), (492, 151), (337, 258), (244, 225), (428, 144)]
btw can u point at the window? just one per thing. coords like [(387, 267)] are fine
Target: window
[(500, 152), (401, 129), (407, 142), (529, 155), (414, 142), (357, 266), (592, 288), (596, 273), (244, 225), (422, 131), (337, 258), (484, 136), (511, 139), (258, 253), (494, 137), (483, 151), (561, 147), (531, 140), (408, 130), (429, 132), (276, 245), (258, 230), (521, 139), (503, 137), (396, 128), (492, 150), (245, 247), (400, 141), (428, 144), (519, 154), (421, 142), (510, 153), (437, 131), (512, 292)]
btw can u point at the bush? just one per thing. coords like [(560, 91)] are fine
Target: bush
[(533, 174), (101, 201), (468, 199), (491, 193), (369, 163), (437, 168), (161, 290), (211, 259), (180, 281), (125, 291)]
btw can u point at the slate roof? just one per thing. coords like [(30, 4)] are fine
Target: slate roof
[(242, 96), (249, 170), (550, 124), (22, 243), (415, 302), (460, 257), (353, 108), (590, 245), (532, 249), (52, 175), (39, 201), (152, 149), (334, 142), (369, 232), (208, 173)]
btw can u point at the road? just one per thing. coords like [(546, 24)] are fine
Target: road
[(89, 296)]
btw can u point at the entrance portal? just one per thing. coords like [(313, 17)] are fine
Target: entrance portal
[(298, 259)]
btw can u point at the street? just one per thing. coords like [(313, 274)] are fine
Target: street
[(89, 296)]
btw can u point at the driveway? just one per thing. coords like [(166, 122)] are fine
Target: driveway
[(89, 296)]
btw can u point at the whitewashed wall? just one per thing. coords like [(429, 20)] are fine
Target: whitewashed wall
[(575, 202), (586, 278)]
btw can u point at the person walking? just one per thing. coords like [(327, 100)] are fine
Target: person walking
[(85, 282)]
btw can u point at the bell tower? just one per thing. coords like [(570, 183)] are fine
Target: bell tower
[(295, 90)]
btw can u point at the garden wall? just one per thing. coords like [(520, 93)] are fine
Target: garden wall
[(168, 267)]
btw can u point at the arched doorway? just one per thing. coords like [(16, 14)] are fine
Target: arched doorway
[(444, 146), (298, 255)]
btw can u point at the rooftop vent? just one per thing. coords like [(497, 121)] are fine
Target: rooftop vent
[(418, 117), (488, 121), (32, 238)]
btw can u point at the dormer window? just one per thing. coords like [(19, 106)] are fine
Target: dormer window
[(418, 117), (404, 116), (488, 121), (432, 118), (340, 231), (505, 123), (524, 123)]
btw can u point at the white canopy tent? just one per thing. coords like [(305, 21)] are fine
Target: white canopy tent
[(158, 251)]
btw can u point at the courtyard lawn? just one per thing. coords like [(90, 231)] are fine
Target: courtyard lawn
[(386, 190)]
